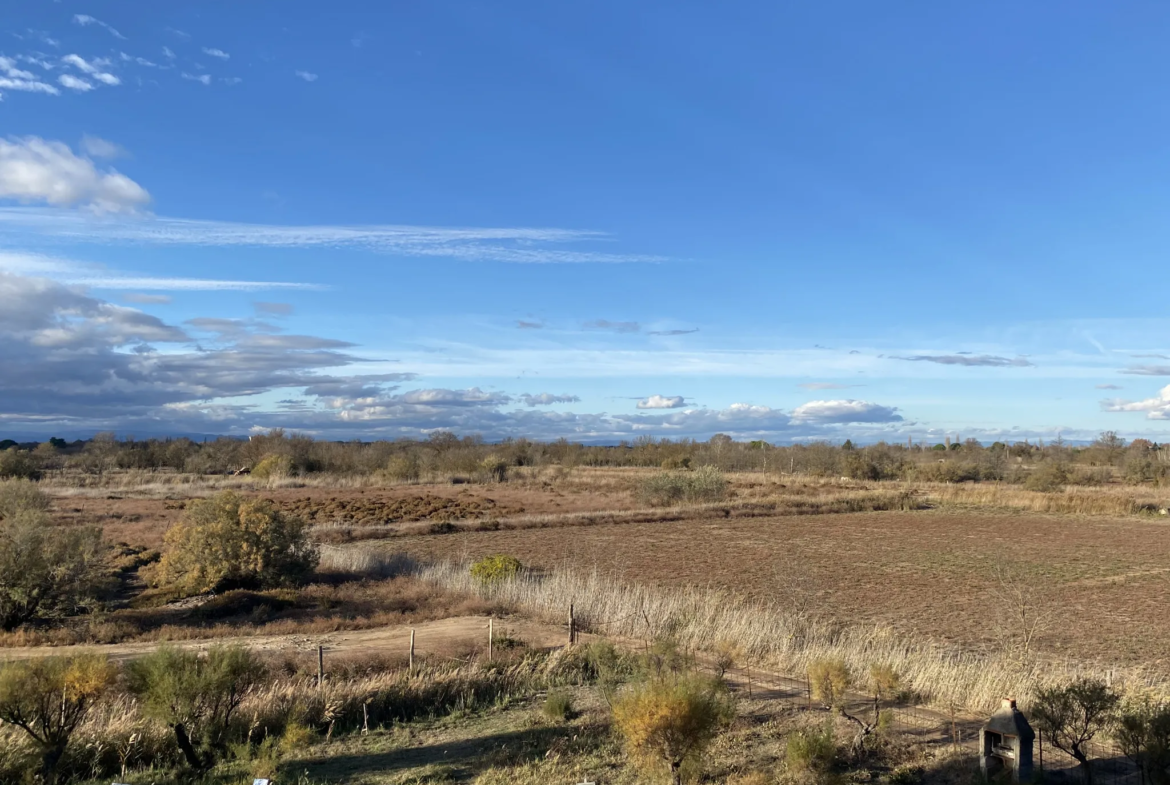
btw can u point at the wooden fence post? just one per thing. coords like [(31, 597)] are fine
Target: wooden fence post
[(411, 661), (572, 626), (491, 635), (320, 666)]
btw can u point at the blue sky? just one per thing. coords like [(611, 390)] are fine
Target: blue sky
[(603, 220)]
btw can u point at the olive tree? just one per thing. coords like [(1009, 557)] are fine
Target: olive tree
[(48, 698)]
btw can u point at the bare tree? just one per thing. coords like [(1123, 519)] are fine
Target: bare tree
[(1021, 613)]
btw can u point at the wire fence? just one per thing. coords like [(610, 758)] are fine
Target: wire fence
[(1110, 766)]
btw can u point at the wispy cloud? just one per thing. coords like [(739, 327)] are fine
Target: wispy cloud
[(547, 399), (512, 245), (825, 386), (672, 332), (14, 78), (94, 69), (1151, 356), (273, 309), (523, 325), (204, 79), (616, 327), (139, 298), (970, 360), (662, 402), (73, 83), (1109, 387), (178, 33), (1148, 370), (213, 52), (167, 53), (85, 20), (96, 147), (308, 77)]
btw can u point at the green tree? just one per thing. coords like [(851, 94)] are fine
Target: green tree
[(195, 696), (1143, 731), (44, 571), (668, 721), (1073, 715), (48, 698), (229, 541)]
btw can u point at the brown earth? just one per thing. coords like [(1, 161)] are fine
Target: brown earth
[(1104, 583), (141, 519)]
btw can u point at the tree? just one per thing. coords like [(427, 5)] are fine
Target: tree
[(1143, 731), (668, 721), (44, 572), (195, 696), (228, 541), (48, 698), (1071, 716)]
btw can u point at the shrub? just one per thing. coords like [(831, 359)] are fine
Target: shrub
[(492, 569), (558, 706), (828, 680), (493, 468), (662, 489), (231, 542), (404, 468), (1143, 731), (195, 696), (48, 698), (21, 495), (809, 754), (273, 467), (1047, 478), (884, 681), (45, 572), (667, 722), (18, 463)]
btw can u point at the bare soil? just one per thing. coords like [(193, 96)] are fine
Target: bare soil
[(1104, 583)]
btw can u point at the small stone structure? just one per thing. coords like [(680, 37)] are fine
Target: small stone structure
[(1006, 744)]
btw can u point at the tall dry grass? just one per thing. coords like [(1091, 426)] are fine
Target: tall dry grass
[(785, 642)]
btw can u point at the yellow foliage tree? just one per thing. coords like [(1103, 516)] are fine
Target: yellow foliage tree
[(48, 698), (668, 722), (228, 540), (829, 679)]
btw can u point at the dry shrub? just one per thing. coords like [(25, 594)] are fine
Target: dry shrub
[(668, 721), (273, 467), (829, 679), (666, 488), (21, 495), (403, 468), (810, 754), (229, 541)]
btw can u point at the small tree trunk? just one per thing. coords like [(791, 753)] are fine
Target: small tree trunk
[(188, 749), (50, 757), (1083, 760)]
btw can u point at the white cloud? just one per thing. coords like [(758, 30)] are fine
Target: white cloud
[(662, 402), (617, 327), (222, 55), (96, 147), (1155, 408), (93, 69), (13, 78), (849, 411), (93, 276), (515, 245), (308, 77), (232, 80), (73, 83), (204, 79), (166, 50), (971, 360), (37, 170), (85, 20)]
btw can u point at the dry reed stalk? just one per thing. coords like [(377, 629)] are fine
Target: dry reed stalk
[(773, 638)]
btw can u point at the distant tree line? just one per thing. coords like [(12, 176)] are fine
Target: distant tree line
[(1040, 465)]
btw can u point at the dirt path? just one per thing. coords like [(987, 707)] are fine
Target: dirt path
[(441, 637)]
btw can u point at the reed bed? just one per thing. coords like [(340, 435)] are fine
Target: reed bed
[(703, 619)]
